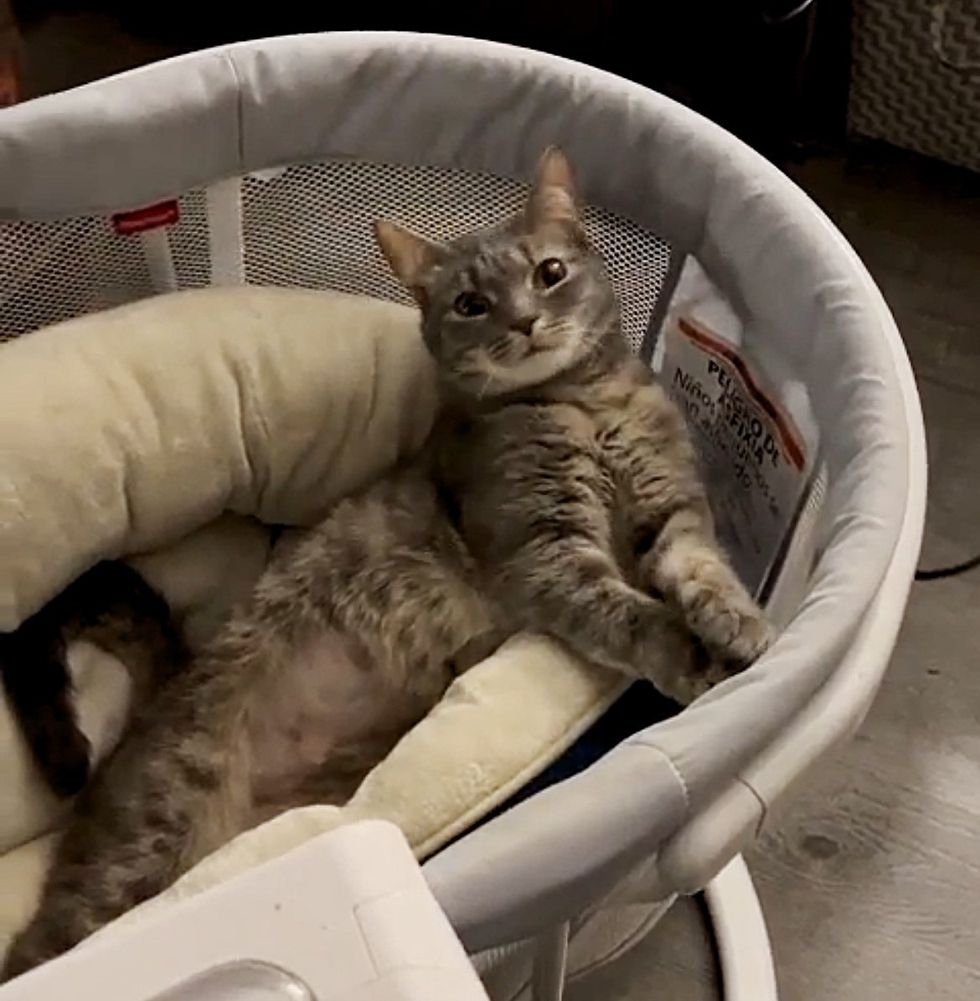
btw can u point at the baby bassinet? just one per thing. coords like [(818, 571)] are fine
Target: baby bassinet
[(280, 154)]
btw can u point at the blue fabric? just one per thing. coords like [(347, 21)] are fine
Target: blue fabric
[(640, 706)]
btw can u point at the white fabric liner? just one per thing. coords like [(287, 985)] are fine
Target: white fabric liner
[(485, 108)]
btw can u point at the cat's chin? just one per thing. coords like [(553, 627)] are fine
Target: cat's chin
[(534, 370)]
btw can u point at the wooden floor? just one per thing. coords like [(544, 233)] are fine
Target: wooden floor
[(870, 877)]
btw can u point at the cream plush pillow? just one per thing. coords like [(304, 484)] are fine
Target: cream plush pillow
[(122, 431), (139, 429)]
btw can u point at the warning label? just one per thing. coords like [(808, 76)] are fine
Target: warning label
[(754, 456)]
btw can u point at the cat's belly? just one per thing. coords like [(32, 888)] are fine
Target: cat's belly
[(326, 710)]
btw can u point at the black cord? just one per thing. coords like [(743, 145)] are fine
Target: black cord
[(952, 571), (795, 11)]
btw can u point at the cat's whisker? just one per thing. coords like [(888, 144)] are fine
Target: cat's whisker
[(498, 348), (486, 385)]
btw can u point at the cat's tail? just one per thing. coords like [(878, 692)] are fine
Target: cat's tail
[(112, 607)]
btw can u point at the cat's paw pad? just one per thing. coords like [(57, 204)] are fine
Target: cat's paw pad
[(749, 638), (728, 623)]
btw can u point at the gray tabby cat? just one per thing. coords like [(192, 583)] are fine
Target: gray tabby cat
[(577, 485), (558, 494)]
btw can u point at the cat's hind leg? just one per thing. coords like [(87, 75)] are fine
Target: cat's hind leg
[(170, 794)]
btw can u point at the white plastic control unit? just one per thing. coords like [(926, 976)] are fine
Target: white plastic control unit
[(345, 917)]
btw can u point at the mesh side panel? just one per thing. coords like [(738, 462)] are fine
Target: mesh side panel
[(307, 225), (189, 242), (53, 271), (310, 225)]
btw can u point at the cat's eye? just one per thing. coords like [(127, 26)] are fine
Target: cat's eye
[(471, 304), (550, 272)]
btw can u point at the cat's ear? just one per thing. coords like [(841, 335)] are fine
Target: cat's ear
[(553, 197), (410, 257)]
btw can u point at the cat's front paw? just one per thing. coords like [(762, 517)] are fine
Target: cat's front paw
[(688, 670), (727, 621), (698, 681)]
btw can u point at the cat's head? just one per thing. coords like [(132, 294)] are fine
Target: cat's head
[(511, 307)]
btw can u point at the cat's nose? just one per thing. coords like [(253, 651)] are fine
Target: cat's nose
[(525, 325)]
